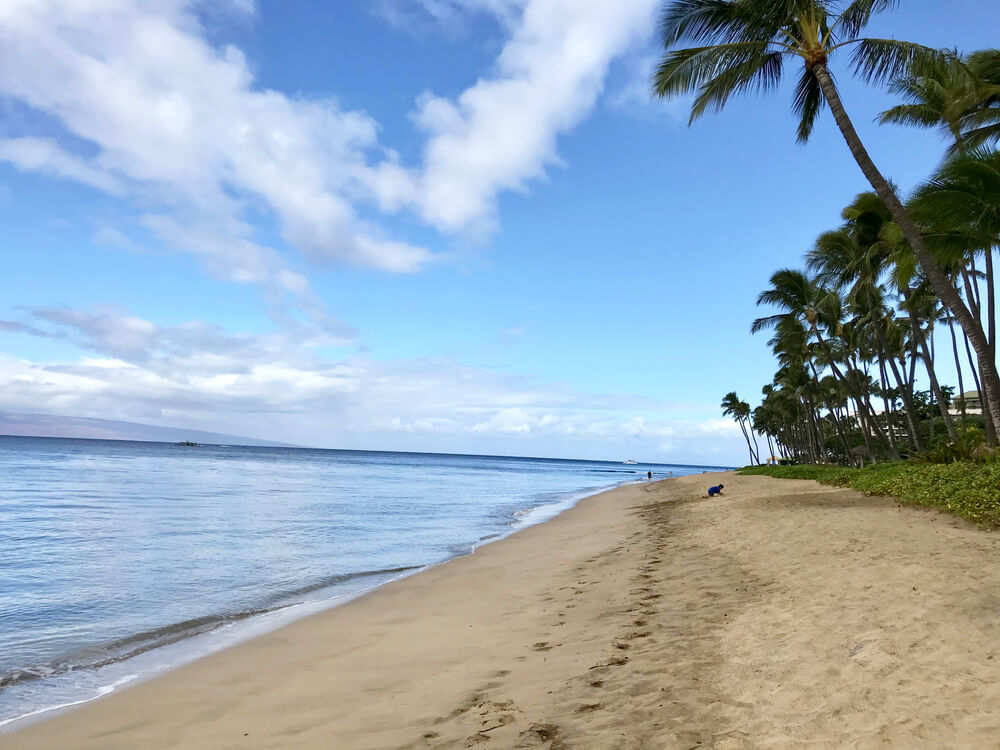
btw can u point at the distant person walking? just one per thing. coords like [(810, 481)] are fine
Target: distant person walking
[(716, 490), (649, 475)]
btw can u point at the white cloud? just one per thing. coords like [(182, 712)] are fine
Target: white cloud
[(154, 112), (500, 134), (410, 15), (46, 156), (160, 115), (276, 385)]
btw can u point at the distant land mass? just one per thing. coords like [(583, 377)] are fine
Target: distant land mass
[(51, 425)]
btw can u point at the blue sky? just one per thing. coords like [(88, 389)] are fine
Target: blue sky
[(455, 225)]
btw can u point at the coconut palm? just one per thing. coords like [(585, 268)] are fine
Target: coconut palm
[(983, 126), (960, 210), (856, 257), (742, 46), (740, 411), (940, 92), (805, 302)]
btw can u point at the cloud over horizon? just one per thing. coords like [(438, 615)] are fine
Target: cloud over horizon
[(206, 378)]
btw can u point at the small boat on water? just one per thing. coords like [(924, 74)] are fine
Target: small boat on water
[(630, 462), (188, 444)]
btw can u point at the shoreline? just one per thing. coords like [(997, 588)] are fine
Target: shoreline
[(783, 614), (230, 632)]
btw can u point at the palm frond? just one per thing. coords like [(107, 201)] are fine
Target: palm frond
[(760, 74), (807, 103), (918, 115), (986, 65), (687, 70), (770, 321), (981, 128), (878, 60), (716, 21), (856, 16)]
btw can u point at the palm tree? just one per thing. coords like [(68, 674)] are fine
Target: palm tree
[(940, 92), (983, 126), (803, 299), (742, 47), (740, 411), (856, 257), (960, 209)]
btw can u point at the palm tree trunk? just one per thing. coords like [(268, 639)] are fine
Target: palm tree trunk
[(862, 406), (972, 289), (906, 393), (991, 433), (743, 429), (755, 443), (958, 369), (991, 318), (936, 388), (837, 425), (939, 280)]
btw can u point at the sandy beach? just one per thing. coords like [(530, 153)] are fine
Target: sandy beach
[(784, 614)]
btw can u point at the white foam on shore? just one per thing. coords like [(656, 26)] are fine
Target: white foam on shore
[(106, 690)]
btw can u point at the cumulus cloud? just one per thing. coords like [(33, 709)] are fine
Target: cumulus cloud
[(154, 112), (157, 113), (501, 133)]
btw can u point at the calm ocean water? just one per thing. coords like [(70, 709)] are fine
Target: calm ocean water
[(121, 559)]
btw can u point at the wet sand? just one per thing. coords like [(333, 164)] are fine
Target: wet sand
[(784, 614)]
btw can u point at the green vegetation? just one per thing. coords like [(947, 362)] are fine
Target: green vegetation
[(969, 490), (854, 329)]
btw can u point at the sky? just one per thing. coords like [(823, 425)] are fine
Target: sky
[(431, 225)]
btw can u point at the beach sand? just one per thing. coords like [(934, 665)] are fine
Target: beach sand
[(784, 614)]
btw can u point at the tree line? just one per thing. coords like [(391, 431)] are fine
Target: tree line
[(853, 329)]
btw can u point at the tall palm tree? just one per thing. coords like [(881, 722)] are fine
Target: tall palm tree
[(742, 47), (856, 257), (960, 205), (740, 411), (801, 298)]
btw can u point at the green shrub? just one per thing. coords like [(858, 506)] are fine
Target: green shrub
[(969, 445), (968, 490)]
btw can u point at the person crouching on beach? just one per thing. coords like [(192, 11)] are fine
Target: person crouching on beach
[(716, 490)]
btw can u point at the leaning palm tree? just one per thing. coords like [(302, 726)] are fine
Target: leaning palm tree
[(740, 411), (742, 46)]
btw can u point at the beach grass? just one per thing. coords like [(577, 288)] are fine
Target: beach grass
[(970, 491)]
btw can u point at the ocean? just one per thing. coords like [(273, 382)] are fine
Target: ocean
[(119, 559)]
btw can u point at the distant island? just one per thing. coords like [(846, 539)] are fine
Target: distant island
[(53, 425)]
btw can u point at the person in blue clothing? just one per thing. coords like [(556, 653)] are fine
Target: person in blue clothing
[(716, 490)]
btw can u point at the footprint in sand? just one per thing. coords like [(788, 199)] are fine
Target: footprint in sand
[(616, 661), (633, 636)]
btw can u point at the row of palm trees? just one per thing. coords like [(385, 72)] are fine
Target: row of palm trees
[(852, 329)]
